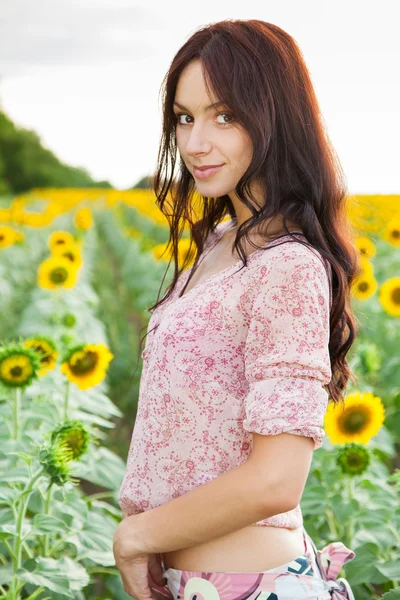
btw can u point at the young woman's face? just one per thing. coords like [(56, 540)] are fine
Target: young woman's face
[(209, 136)]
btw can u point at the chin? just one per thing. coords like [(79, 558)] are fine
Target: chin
[(213, 189)]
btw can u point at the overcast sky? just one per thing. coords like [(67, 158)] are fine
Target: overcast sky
[(86, 75)]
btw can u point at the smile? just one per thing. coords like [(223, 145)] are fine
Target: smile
[(207, 173)]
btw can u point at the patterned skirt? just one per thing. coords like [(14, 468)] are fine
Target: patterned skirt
[(310, 576)]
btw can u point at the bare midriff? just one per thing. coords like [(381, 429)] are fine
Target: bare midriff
[(254, 548)]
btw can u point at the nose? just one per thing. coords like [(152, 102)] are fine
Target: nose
[(198, 140)]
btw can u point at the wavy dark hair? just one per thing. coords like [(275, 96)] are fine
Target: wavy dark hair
[(257, 70)]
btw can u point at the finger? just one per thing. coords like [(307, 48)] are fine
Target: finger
[(137, 586)]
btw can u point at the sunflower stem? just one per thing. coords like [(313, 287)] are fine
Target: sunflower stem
[(332, 523), (349, 481), (47, 506), (16, 412), (66, 400), (17, 554)]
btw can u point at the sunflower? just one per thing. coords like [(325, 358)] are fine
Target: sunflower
[(74, 435), (55, 460), (366, 266), (86, 364), (364, 286), (392, 232), (353, 459), (8, 236), (59, 239), (358, 420), (366, 247), (83, 219), (56, 272), (72, 252), (18, 366), (389, 296), (46, 349)]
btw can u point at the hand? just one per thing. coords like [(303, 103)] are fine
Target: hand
[(141, 573)]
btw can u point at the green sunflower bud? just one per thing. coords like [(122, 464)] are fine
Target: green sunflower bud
[(73, 435), (370, 357), (69, 320), (55, 460), (353, 459)]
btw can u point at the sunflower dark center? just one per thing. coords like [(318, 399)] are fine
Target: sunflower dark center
[(39, 349), (396, 233), (59, 275), (16, 371), (74, 440), (355, 459), (85, 364), (354, 421), (363, 286), (396, 295)]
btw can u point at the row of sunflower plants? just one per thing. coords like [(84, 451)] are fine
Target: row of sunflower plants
[(55, 530), (353, 489)]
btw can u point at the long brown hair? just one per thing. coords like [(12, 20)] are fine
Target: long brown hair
[(257, 70)]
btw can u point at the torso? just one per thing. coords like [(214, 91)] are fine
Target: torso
[(253, 548)]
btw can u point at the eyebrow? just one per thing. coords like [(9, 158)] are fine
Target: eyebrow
[(207, 108)]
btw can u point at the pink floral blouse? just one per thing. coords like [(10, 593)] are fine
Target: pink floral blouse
[(242, 351)]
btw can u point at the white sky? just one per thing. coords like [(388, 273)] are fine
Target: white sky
[(86, 74)]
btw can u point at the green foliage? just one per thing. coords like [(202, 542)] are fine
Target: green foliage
[(25, 163), (56, 539)]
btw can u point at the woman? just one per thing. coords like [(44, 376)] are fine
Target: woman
[(241, 351)]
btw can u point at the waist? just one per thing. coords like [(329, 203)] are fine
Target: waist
[(253, 548)]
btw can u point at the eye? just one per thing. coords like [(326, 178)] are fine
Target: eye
[(223, 114)]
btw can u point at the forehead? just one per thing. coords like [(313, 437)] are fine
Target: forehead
[(191, 90)]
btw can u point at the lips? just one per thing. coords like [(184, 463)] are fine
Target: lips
[(206, 167), (205, 172)]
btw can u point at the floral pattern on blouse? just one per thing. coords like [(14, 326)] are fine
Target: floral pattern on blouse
[(244, 350)]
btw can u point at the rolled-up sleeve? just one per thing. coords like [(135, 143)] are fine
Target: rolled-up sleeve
[(287, 361)]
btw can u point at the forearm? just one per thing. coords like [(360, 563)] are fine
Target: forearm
[(238, 498)]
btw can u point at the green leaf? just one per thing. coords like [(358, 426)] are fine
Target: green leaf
[(362, 568), (11, 530), (15, 475), (7, 496), (48, 524), (106, 559), (392, 595), (6, 573), (390, 569), (376, 535), (63, 576), (344, 511), (25, 456)]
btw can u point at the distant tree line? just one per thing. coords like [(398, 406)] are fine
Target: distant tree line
[(25, 163)]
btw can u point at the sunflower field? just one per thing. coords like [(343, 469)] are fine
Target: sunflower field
[(78, 270)]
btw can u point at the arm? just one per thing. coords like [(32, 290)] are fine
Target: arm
[(253, 491), (286, 365)]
